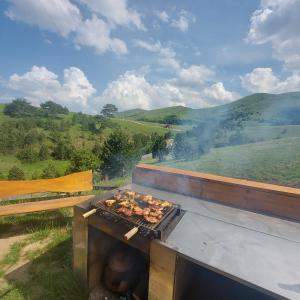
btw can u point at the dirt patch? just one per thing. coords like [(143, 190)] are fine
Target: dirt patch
[(5, 243)]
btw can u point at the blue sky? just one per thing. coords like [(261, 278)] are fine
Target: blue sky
[(147, 54)]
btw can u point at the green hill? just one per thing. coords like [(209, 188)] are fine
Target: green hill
[(276, 161), (156, 115), (260, 107)]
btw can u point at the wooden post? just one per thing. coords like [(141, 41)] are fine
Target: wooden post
[(80, 244), (162, 272)]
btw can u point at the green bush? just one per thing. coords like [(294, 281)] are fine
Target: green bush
[(83, 160), (50, 172), (35, 175), (28, 155), (44, 152), (16, 173), (119, 155)]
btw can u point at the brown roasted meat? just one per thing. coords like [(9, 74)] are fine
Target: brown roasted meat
[(125, 211)]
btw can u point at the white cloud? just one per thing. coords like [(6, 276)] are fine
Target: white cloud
[(217, 94), (264, 80), (182, 21), (116, 11), (59, 16), (64, 18), (163, 16), (39, 84), (96, 33), (167, 57), (196, 74), (277, 22), (132, 90)]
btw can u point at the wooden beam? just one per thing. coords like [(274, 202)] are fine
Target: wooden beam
[(76, 182), (162, 272), (29, 207), (261, 197)]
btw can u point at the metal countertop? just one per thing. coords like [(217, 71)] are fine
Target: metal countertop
[(258, 250)]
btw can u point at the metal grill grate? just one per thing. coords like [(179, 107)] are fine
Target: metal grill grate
[(160, 230), (135, 219)]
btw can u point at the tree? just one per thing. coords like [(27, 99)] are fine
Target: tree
[(50, 172), (63, 150), (28, 155), (109, 110), (172, 119), (2, 176), (44, 152), (50, 108), (19, 108), (160, 149), (83, 160), (119, 154), (15, 173)]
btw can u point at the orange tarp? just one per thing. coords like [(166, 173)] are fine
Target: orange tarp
[(77, 182)]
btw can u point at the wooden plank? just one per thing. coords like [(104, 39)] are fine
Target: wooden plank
[(80, 244), (76, 182), (250, 195), (29, 207), (162, 272)]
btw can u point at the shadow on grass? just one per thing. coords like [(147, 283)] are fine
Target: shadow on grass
[(49, 276), (21, 224)]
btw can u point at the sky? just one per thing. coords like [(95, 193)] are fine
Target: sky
[(147, 54)]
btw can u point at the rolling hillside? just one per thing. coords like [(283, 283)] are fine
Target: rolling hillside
[(276, 161), (259, 107)]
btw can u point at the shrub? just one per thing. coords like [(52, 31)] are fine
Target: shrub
[(83, 160), (119, 155), (50, 172), (35, 175), (159, 148), (15, 173), (44, 152), (28, 155)]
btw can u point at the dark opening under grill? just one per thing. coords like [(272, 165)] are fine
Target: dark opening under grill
[(159, 230)]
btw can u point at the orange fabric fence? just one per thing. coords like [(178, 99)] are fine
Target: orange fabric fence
[(77, 182)]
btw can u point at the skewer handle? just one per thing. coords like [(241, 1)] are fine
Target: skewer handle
[(89, 213), (131, 233)]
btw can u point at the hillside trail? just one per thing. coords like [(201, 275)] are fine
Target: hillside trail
[(139, 123)]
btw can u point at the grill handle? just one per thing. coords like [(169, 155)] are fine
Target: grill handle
[(89, 213), (131, 233)]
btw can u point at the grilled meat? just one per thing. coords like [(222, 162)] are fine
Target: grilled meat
[(117, 196), (150, 219), (125, 211), (110, 202), (146, 198), (130, 195), (138, 210)]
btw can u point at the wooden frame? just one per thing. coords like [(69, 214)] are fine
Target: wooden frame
[(260, 197)]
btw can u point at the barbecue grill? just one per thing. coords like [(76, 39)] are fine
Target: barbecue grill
[(136, 224)]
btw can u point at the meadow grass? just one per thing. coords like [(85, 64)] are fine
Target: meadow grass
[(8, 161), (276, 161), (48, 273)]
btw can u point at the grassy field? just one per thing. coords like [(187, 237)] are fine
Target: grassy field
[(44, 258), (132, 126), (265, 133), (8, 161), (276, 161), (38, 265)]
